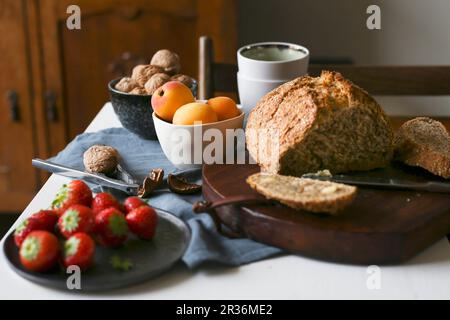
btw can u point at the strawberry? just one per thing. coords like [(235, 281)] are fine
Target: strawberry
[(24, 229), (75, 192), (132, 203), (105, 200), (142, 222), (39, 251), (47, 219), (41, 220), (79, 250), (111, 227), (76, 218)]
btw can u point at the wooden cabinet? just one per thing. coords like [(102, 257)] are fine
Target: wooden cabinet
[(60, 76), (18, 180)]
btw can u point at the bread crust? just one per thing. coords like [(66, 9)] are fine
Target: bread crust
[(425, 143), (298, 110)]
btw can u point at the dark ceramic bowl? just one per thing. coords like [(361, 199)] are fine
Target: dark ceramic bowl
[(135, 111)]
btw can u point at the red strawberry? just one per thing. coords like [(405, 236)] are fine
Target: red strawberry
[(132, 203), (39, 251), (24, 229), (46, 218), (41, 220), (76, 218), (111, 227), (142, 222), (76, 192), (79, 250), (104, 200)]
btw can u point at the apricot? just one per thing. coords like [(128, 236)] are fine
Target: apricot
[(224, 107), (194, 112), (169, 97)]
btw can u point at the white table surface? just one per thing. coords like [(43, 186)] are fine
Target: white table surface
[(427, 276)]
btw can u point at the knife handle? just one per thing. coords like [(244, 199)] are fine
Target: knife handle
[(87, 176)]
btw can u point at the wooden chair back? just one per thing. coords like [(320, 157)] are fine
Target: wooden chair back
[(377, 80)]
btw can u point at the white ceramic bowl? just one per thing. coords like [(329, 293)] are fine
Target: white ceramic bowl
[(288, 60), (252, 90), (190, 146)]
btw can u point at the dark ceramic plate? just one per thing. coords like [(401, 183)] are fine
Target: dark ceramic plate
[(149, 259)]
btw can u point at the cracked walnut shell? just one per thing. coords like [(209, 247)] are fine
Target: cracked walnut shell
[(180, 185)]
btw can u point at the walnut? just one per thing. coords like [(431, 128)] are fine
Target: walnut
[(184, 79), (156, 81), (126, 84), (141, 73), (100, 159), (168, 60), (138, 90)]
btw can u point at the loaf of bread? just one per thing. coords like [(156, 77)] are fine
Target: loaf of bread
[(424, 142), (303, 193), (316, 123)]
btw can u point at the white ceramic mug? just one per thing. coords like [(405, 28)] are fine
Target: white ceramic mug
[(252, 90), (266, 65)]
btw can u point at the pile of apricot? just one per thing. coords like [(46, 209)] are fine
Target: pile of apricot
[(175, 103)]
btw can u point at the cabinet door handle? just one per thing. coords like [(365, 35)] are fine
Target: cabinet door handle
[(13, 101), (50, 106)]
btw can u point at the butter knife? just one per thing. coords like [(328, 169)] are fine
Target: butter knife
[(95, 178), (384, 183)]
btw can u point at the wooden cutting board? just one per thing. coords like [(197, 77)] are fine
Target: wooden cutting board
[(379, 227)]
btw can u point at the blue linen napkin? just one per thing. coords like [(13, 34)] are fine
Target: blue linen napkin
[(139, 157)]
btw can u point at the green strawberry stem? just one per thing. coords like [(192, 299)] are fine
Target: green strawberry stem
[(61, 196), (121, 264), (30, 248), (71, 246), (70, 220), (21, 226)]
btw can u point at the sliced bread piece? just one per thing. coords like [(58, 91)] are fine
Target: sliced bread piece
[(424, 142), (303, 193)]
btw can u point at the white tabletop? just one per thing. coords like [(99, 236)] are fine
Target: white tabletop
[(427, 276)]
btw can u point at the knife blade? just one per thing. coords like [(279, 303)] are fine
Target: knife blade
[(95, 178), (384, 183)]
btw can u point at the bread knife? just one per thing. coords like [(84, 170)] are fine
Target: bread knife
[(384, 183), (95, 178)]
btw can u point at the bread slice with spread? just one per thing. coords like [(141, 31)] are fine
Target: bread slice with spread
[(303, 193)]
